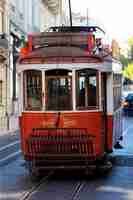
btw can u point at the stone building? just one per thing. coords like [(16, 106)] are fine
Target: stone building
[(17, 18), (4, 66), (25, 17)]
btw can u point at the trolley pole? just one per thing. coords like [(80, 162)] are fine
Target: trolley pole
[(14, 70), (87, 17), (70, 12)]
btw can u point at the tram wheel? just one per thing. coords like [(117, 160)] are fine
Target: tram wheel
[(104, 168)]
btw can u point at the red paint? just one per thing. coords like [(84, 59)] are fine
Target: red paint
[(30, 38), (109, 132), (91, 43), (89, 120)]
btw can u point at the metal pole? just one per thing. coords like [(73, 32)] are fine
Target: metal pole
[(70, 12), (14, 70), (87, 18)]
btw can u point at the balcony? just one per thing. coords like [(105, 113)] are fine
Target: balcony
[(53, 5)]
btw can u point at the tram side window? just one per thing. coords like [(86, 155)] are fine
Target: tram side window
[(87, 89), (33, 90)]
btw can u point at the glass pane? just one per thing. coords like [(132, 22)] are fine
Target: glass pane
[(59, 93), (81, 92), (86, 89), (33, 90), (92, 91)]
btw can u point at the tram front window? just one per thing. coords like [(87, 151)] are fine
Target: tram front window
[(33, 90), (58, 90), (87, 89)]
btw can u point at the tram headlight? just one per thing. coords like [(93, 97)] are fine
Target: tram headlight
[(125, 104)]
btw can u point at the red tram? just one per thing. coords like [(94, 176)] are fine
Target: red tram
[(70, 88)]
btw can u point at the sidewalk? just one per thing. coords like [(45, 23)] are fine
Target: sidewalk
[(7, 137), (127, 142)]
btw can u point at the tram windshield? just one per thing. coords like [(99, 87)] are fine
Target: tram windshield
[(58, 90)]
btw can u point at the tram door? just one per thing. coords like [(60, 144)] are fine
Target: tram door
[(59, 93), (104, 109)]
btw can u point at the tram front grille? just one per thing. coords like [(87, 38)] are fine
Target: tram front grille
[(62, 143)]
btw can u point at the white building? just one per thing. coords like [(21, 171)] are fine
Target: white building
[(34, 15), (4, 65), (28, 16), (17, 18)]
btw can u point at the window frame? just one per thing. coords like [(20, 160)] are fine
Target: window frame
[(97, 91), (46, 90), (25, 99)]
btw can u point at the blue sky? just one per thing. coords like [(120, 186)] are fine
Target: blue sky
[(115, 15)]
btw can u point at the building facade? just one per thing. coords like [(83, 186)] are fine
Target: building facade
[(4, 66), (17, 18)]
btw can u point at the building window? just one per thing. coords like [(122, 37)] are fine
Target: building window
[(58, 90), (33, 90), (87, 89), (1, 92)]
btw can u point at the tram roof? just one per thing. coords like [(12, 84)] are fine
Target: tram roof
[(60, 54), (75, 29), (64, 45)]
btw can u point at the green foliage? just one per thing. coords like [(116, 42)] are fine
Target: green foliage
[(23, 42), (130, 44), (128, 71), (130, 41), (124, 60)]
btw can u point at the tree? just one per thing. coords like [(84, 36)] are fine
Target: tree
[(124, 60), (130, 44), (128, 71)]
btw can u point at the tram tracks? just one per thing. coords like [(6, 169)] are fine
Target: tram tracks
[(74, 195), (27, 195), (9, 152), (77, 190)]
